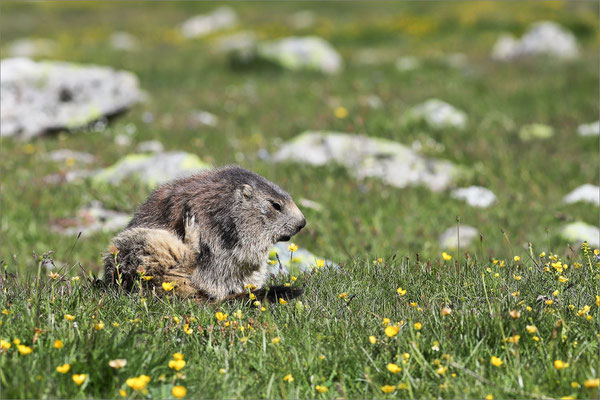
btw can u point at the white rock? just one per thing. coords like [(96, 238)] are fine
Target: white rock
[(302, 19), (205, 24), (438, 114), (301, 260), (298, 53), (449, 239), (579, 232), (543, 38), (363, 156), (91, 219), (475, 196), (535, 131), (124, 41), (64, 155), (239, 41), (407, 63), (31, 47), (151, 169), (586, 193), (40, 96), (203, 118), (150, 146), (591, 129)]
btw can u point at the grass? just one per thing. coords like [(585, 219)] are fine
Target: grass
[(323, 338), (361, 220)]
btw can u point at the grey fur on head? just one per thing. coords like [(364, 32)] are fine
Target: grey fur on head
[(235, 216)]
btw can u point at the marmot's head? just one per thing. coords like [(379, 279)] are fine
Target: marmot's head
[(261, 212)]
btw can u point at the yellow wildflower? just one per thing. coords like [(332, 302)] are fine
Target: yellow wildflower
[(446, 256), (69, 317), (343, 295), (178, 392), (385, 321), (293, 247), (414, 304), (558, 364), (63, 369), (220, 316), (167, 286), (288, 378), (178, 356), (514, 314), (391, 331), (517, 258), (562, 279), (79, 378), (441, 370), (418, 325), (276, 340), (282, 301), (575, 385), (489, 397), (138, 383), (24, 350), (320, 263), (401, 291), (122, 393), (4, 345), (393, 368), (53, 275), (513, 339), (406, 356), (496, 361), (147, 277), (591, 383), (321, 389), (549, 302), (388, 388), (340, 112), (531, 329), (222, 371), (177, 365), (99, 326), (542, 254), (517, 277), (372, 339), (536, 338)]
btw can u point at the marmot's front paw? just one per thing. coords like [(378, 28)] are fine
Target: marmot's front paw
[(189, 220)]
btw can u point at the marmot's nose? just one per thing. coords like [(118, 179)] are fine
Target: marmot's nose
[(301, 225)]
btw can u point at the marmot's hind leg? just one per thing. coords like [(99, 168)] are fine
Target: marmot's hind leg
[(170, 260)]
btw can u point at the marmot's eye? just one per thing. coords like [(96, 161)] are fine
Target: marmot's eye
[(275, 205)]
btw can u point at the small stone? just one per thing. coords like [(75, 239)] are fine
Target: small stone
[(475, 196), (150, 146), (65, 155), (302, 19), (543, 38), (535, 131), (438, 114), (591, 129), (301, 53), (587, 193), (205, 24), (122, 140), (579, 232), (408, 63), (32, 47), (124, 41), (91, 219), (449, 239), (203, 118), (300, 261)]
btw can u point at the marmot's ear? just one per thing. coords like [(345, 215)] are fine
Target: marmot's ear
[(247, 191)]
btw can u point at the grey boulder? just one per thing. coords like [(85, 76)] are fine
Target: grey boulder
[(42, 96)]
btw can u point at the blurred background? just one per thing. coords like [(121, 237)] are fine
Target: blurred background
[(385, 121)]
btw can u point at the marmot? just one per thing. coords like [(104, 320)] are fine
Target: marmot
[(210, 233)]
